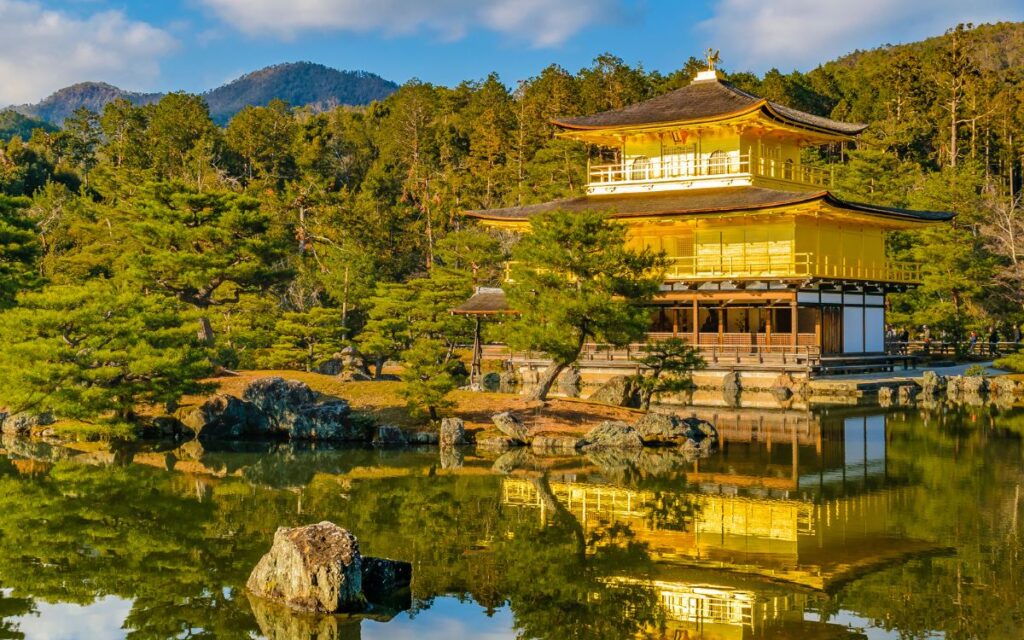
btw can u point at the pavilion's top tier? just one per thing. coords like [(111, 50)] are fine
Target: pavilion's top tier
[(706, 134)]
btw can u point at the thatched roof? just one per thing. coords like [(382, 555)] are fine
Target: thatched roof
[(702, 101), (699, 201)]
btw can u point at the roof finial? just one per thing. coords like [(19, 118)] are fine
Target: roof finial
[(713, 58), (710, 74)]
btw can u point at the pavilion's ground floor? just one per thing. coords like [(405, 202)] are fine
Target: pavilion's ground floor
[(810, 322), (802, 328)]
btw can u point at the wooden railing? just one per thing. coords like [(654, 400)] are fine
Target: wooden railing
[(728, 166), (791, 265), (715, 348)]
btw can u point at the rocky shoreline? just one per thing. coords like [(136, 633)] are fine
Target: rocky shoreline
[(276, 409)]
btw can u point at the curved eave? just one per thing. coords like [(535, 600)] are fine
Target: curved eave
[(762, 106), (856, 129), (800, 199), (923, 217), (902, 215)]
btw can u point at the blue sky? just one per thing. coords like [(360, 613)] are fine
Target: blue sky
[(194, 45)]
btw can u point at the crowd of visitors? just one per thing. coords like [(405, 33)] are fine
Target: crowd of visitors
[(993, 341)]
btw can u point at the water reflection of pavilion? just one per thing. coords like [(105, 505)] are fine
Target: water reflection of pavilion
[(793, 503)]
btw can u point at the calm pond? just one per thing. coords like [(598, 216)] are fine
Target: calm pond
[(854, 523)]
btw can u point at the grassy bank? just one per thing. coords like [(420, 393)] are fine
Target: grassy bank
[(383, 401)]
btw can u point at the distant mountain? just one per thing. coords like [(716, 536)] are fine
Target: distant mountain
[(91, 95), (302, 84), (299, 84)]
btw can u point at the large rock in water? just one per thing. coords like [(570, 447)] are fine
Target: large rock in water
[(22, 424), (389, 435), (569, 382), (313, 568), (612, 435), (932, 384), (330, 420), (224, 417), (556, 445), (660, 429), (700, 431), (319, 568), (508, 424), (453, 432), (282, 401), (619, 391)]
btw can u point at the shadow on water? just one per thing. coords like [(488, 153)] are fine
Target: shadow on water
[(842, 523)]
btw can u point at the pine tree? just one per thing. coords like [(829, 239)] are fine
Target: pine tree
[(263, 137), (429, 375), (97, 352), (573, 280), (388, 330), (670, 365), (19, 249), (304, 339)]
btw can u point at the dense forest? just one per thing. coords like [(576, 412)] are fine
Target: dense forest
[(289, 233)]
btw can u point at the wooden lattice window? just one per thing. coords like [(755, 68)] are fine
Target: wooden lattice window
[(718, 163)]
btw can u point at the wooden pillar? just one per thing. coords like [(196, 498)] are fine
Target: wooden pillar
[(675, 322), (721, 325), (817, 327), (478, 352), (696, 327), (792, 320), (768, 313)]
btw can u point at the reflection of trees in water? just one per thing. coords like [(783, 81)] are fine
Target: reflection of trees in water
[(71, 533), (966, 466), (13, 607), (81, 533), (560, 579)]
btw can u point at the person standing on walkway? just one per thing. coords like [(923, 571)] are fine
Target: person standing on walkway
[(972, 343), (993, 341)]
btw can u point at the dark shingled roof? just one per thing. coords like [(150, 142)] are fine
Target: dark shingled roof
[(703, 100), (485, 301), (699, 201)]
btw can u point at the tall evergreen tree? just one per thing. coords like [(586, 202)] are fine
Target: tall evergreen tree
[(97, 352), (574, 280), (19, 249)]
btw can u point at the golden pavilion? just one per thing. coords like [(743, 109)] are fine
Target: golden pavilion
[(768, 269)]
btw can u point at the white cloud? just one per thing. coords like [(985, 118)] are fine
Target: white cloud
[(43, 50), (539, 22), (758, 35)]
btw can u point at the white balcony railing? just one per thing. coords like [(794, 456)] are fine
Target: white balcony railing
[(672, 168)]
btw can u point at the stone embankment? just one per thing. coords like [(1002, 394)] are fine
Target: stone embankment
[(651, 430), (935, 389)]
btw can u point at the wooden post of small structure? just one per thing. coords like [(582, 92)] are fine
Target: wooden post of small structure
[(792, 320), (817, 328), (721, 325), (768, 327), (696, 327), (476, 367)]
